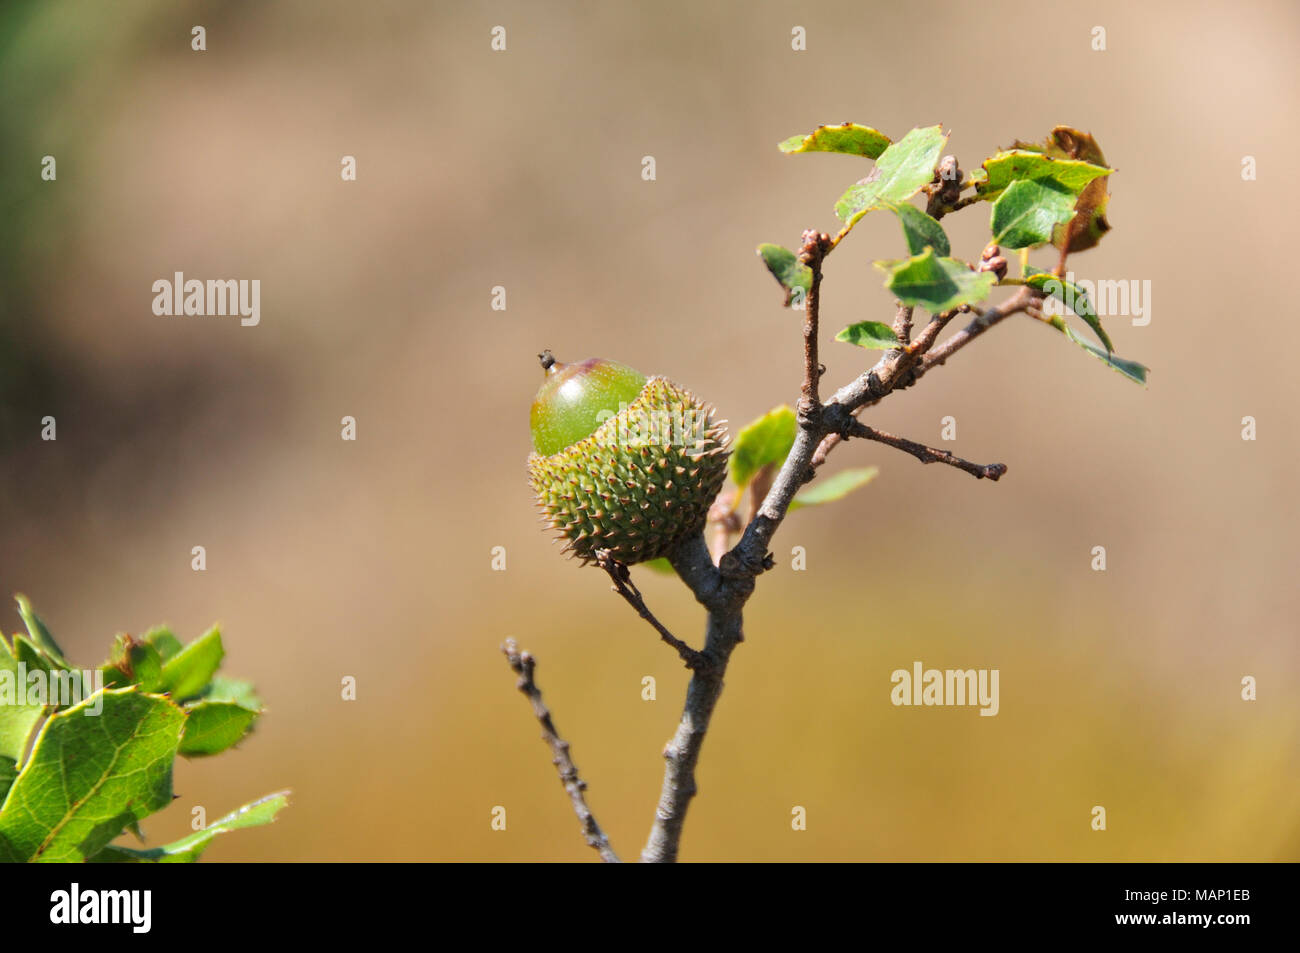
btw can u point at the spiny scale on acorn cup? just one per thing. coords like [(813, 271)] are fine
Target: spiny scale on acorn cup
[(622, 462)]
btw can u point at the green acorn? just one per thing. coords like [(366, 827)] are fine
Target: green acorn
[(622, 462)]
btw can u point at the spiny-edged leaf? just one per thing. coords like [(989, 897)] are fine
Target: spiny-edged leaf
[(162, 639), (1064, 142), (1074, 298), (1089, 223), (89, 776), (213, 726), (934, 283), (34, 657), (133, 663), (849, 138), (767, 440), (1131, 369), (792, 274), (920, 229), (660, 565), (869, 334), (900, 172), (8, 771), (16, 721), (1020, 165), (835, 487), (187, 673), (1025, 213), (38, 631), (59, 685), (234, 690), (188, 849)]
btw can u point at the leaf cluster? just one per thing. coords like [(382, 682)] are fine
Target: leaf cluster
[(1049, 193), (85, 755)]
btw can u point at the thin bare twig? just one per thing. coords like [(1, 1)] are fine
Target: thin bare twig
[(983, 321), (926, 357), (982, 471), (815, 247), (625, 587), (523, 665)]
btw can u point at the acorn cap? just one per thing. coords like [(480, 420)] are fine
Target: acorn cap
[(641, 481)]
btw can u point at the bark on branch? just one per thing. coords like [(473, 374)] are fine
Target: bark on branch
[(981, 471), (625, 587), (524, 664)]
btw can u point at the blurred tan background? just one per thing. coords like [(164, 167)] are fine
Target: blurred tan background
[(522, 169)]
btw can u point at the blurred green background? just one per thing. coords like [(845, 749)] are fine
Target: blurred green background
[(522, 169)]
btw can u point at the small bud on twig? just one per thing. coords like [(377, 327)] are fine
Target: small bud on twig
[(992, 260)]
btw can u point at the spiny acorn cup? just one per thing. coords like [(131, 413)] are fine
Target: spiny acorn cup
[(622, 462)]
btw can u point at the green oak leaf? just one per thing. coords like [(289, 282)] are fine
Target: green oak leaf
[(848, 138), (234, 690), (8, 771), (220, 717), (61, 685), (1021, 165), (187, 673), (766, 440), (792, 274), (213, 726), (39, 632), (870, 334), (919, 229), (835, 487), (90, 776), (934, 283), (1027, 211), (1074, 298), (188, 849), (62, 682), (660, 565), (164, 642), (1131, 369), (30, 654), (900, 172), (16, 721)]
